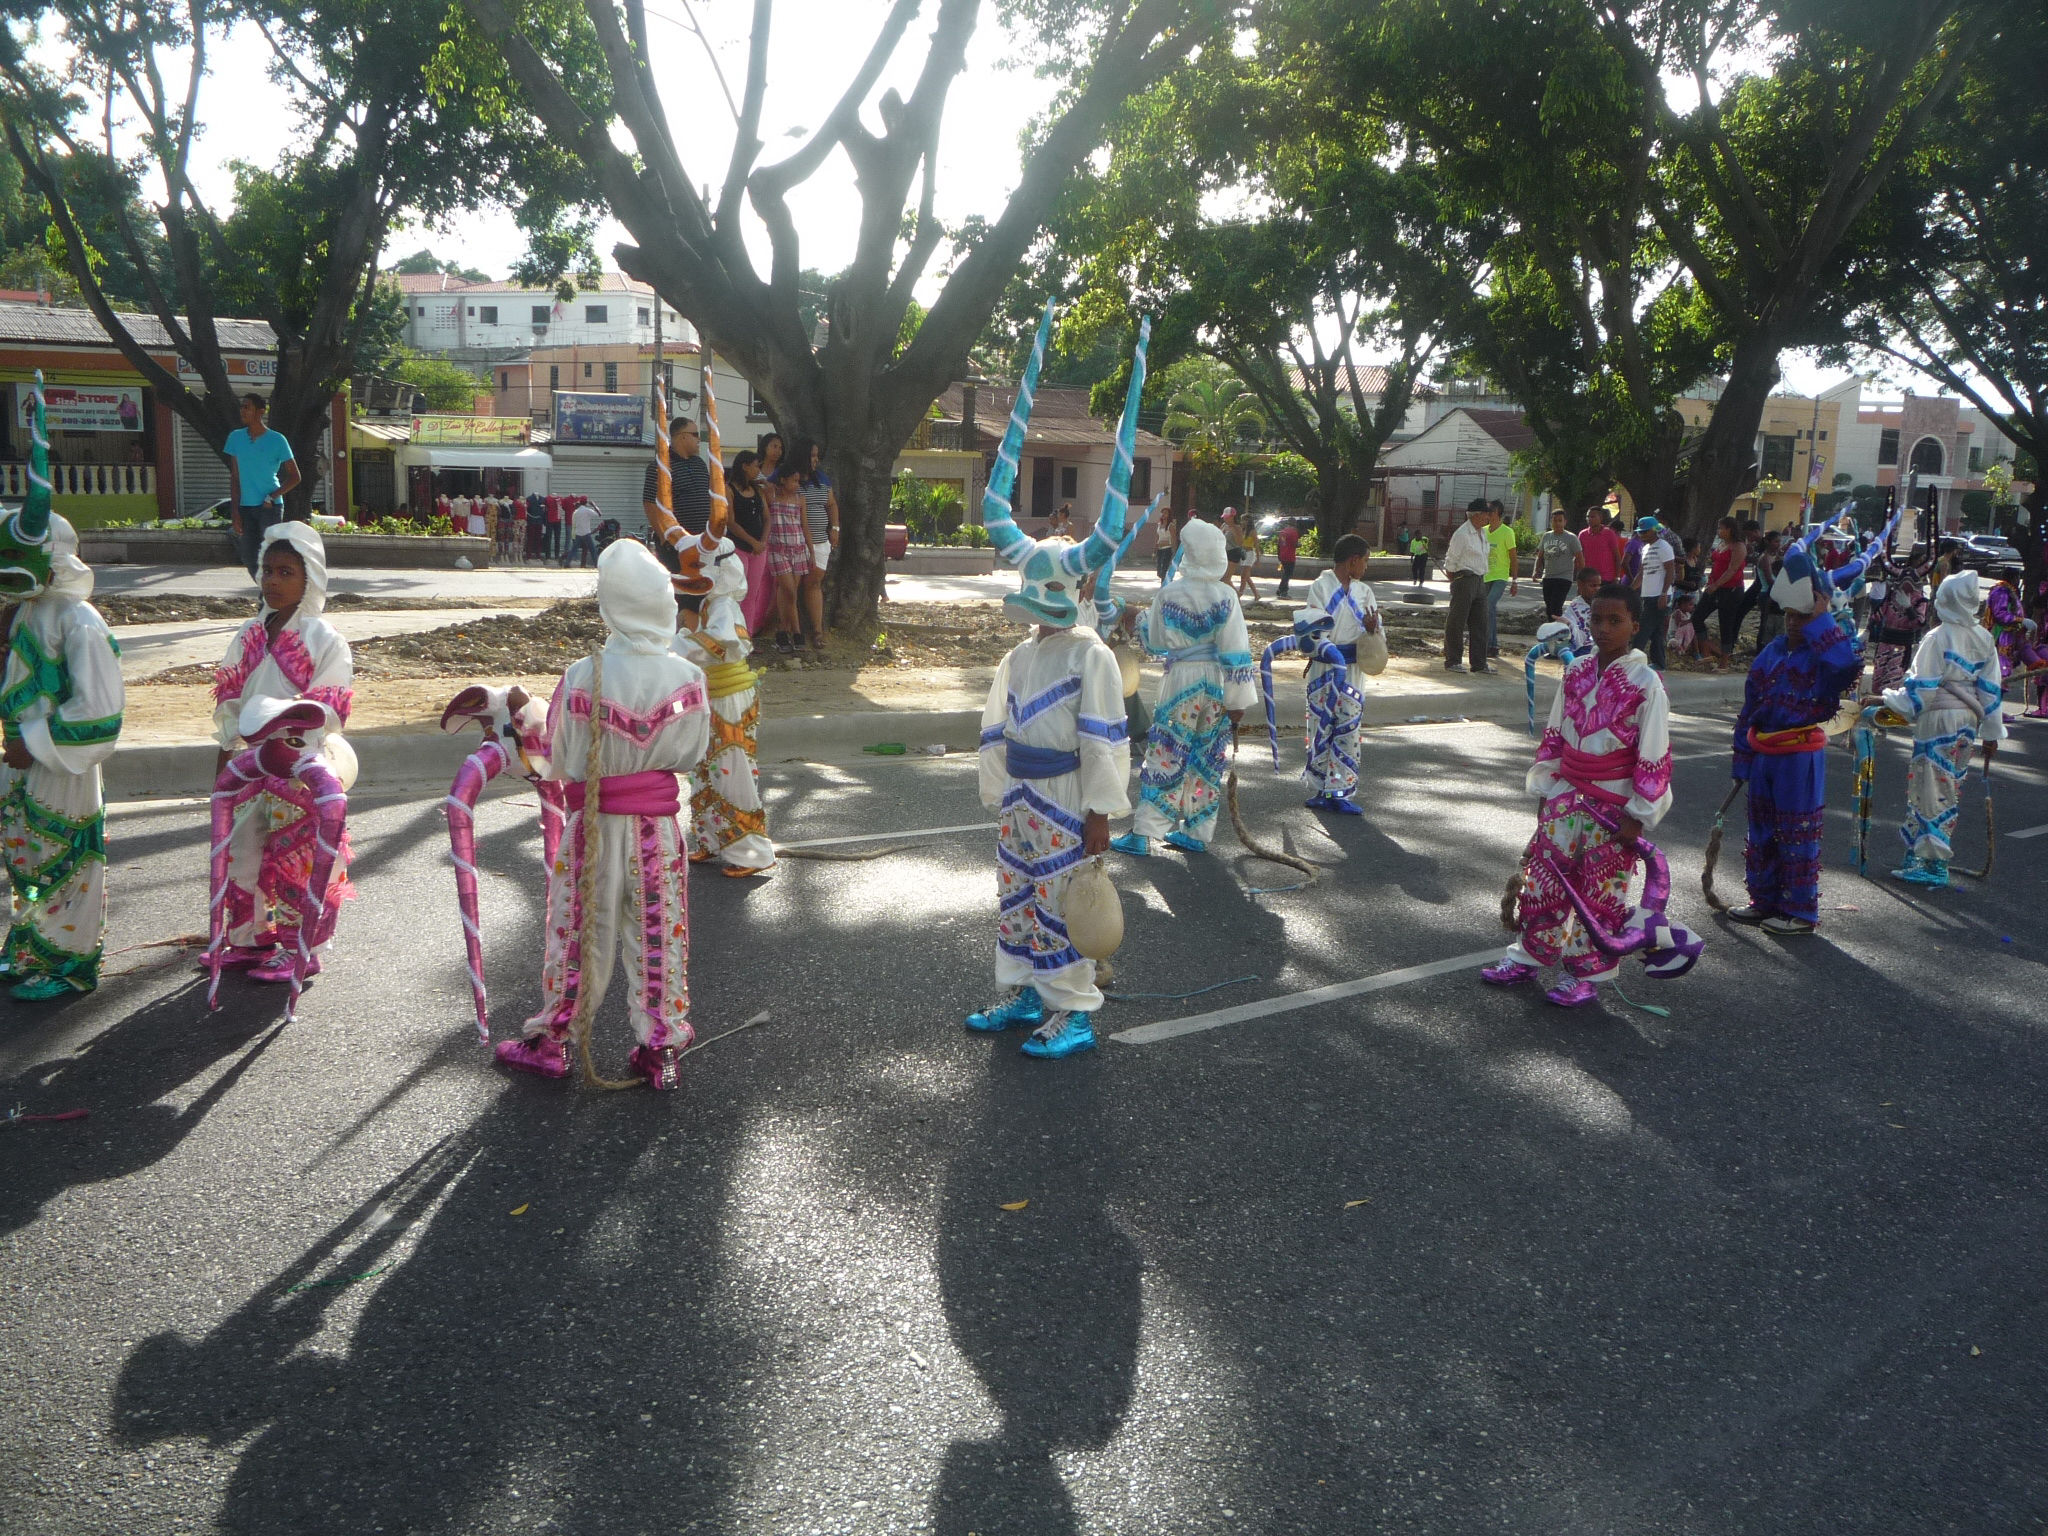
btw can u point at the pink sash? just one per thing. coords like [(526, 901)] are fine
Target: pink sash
[(1584, 770), (652, 793)]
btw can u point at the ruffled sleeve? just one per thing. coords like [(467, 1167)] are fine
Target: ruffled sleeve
[(229, 679), (1105, 736), (995, 771), (78, 734), (334, 668), (1651, 793), (1234, 656)]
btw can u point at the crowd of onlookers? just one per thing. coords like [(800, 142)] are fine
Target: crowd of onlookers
[(568, 530)]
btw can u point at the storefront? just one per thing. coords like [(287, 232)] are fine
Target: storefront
[(602, 446), (432, 469)]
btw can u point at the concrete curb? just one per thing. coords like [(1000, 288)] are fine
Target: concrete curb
[(427, 760)]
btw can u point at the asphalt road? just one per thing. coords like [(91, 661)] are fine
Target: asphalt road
[(1424, 1259)]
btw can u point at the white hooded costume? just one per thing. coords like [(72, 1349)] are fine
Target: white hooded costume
[(61, 697), (1336, 703), (1196, 624), (727, 817), (270, 851), (653, 722), (1954, 696)]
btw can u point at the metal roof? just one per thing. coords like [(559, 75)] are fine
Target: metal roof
[(33, 323)]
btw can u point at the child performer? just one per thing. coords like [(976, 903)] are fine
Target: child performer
[(1952, 695), (727, 818), (1898, 619), (2014, 631), (1578, 609), (1603, 775), (60, 703), (1341, 607), (288, 651), (632, 717), (1055, 748), (1795, 685), (1196, 624)]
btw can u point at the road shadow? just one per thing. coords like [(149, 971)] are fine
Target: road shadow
[(1043, 1302)]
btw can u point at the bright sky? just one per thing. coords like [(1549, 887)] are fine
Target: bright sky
[(815, 49)]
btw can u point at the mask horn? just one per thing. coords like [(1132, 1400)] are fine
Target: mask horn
[(1010, 541), (1101, 547), (33, 525)]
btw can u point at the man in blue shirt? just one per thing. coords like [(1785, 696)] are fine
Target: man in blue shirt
[(261, 470)]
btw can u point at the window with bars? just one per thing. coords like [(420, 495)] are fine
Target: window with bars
[(611, 378), (596, 314), (540, 314), (1778, 449), (487, 314)]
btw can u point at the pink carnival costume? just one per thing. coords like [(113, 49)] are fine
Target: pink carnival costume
[(1605, 752), (513, 723), (652, 722), (271, 849)]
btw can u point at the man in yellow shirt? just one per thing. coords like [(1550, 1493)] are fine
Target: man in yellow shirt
[(1500, 572)]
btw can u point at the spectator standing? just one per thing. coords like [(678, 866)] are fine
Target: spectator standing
[(1722, 598), (1165, 542), (748, 530), (821, 530), (1287, 546), (1061, 524), (1558, 559), (1632, 553), (1600, 545), (1500, 571), (583, 533), (1418, 557), (1465, 563), (1657, 568), (689, 480), (789, 552), (261, 470)]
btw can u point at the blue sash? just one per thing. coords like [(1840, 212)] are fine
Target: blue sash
[(1028, 762)]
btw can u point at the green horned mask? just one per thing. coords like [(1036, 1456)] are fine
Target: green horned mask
[(25, 541)]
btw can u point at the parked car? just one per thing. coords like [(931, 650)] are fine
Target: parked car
[(1979, 551)]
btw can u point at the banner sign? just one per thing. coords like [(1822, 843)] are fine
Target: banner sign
[(471, 430), (84, 407), (611, 419)]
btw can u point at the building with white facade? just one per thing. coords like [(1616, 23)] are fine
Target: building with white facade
[(482, 323)]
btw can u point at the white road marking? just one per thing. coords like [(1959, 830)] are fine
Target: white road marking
[(1169, 1029), (2030, 832), (884, 837)]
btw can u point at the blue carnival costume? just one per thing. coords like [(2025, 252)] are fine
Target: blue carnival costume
[(1055, 747), (1795, 686), (1328, 630), (1197, 627), (1954, 696)]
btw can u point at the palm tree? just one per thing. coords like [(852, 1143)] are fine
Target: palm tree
[(1214, 413)]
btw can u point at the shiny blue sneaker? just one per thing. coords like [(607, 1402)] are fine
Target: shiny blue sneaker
[(1061, 1035), (1921, 872), (1023, 1010), (1136, 846), (1316, 802), (1341, 806), (1185, 843)]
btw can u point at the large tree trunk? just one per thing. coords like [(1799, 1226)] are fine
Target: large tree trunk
[(1724, 464), (1340, 498), (859, 569), (1650, 475)]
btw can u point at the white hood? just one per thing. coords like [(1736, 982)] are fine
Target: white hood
[(305, 539), (1958, 598), (635, 600), (69, 576), (1203, 551)]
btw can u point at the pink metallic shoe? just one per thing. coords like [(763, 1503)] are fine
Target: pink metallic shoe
[(1507, 973), (241, 956), (278, 968), (1572, 994), (658, 1064), (542, 1055)]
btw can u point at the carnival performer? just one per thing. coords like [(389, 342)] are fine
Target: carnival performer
[(636, 715), (60, 704), (728, 822), (1795, 685), (1952, 695), (1055, 748), (1578, 609), (1341, 608), (288, 651), (2017, 635), (1196, 624), (1603, 777), (1899, 618)]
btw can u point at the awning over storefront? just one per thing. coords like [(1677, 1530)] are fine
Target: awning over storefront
[(454, 456)]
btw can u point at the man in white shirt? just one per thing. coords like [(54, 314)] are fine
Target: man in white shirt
[(583, 533), (1465, 563), (1660, 569)]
